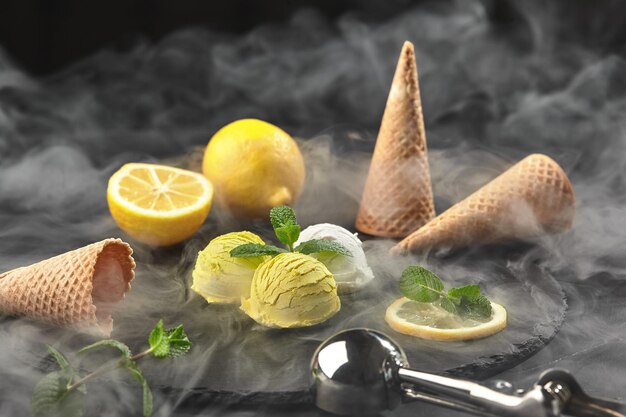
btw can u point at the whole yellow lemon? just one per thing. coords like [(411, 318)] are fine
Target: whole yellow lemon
[(253, 166)]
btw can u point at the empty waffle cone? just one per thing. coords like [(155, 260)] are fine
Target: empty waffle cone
[(398, 196), (531, 198), (76, 289)]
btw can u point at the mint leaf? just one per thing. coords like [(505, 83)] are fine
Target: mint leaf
[(178, 340), (281, 216), (61, 360), (169, 343), (57, 395), (478, 308), (419, 284), (124, 349), (51, 398), (248, 250), (158, 344), (148, 402), (285, 225), (469, 291), (322, 245), (448, 305), (470, 303), (288, 234)]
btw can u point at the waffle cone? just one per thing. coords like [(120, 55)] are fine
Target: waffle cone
[(531, 198), (398, 197), (71, 289)]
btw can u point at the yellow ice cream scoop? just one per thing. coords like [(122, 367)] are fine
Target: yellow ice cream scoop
[(221, 278), (292, 290)]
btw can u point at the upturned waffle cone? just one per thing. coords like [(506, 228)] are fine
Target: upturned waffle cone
[(62, 290), (398, 195), (531, 198)]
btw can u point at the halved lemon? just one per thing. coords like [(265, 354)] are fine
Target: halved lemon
[(158, 205), (429, 321)]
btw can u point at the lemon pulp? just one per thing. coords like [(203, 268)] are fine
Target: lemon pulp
[(433, 316)]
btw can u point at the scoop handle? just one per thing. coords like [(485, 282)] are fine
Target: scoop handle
[(471, 397), (562, 386)]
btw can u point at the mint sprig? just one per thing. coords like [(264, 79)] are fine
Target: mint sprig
[(470, 302), (52, 398), (420, 284), (322, 245), (287, 230), (285, 225), (62, 393), (61, 360), (170, 343), (121, 347), (248, 250)]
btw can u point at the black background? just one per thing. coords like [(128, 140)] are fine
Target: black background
[(43, 36)]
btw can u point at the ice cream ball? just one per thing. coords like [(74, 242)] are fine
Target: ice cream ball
[(221, 278), (292, 290), (350, 272)]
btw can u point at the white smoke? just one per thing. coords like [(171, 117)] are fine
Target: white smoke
[(491, 95)]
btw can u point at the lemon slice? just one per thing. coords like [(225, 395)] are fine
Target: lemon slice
[(429, 321), (158, 205)]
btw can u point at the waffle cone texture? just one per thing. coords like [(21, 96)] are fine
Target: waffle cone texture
[(398, 197), (531, 198), (62, 290)]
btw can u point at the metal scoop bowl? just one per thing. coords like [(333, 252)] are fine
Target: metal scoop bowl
[(363, 372)]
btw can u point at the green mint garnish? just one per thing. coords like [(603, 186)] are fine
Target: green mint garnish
[(285, 225), (61, 360), (448, 305), (62, 393), (281, 216), (420, 284), (322, 245), (470, 302), (248, 250), (52, 398), (287, 229), (121, 347), (468, 291), (136, 373), (169, 343)]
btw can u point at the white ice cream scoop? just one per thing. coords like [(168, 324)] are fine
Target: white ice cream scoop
[(350, 272)]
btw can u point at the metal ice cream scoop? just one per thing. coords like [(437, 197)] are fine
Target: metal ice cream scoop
[(363, 372)]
